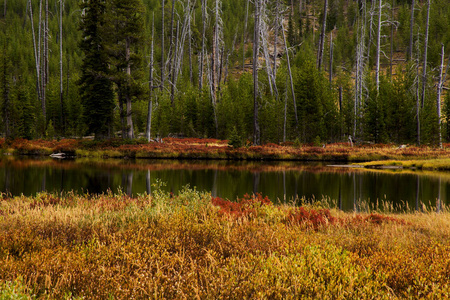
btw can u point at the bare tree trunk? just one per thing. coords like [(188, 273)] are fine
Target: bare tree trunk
[(425, 55), (411, 27), (36, 57), (191, 76), (46, 43), (202, 54), (256, 130), (148, 183), (44, 73), (4, 9), (360, 66), (162, 47), (171, 57), (277, 26), (150, 87), (174, 67), (439, 93), (264, 39), (290, 75), (377, 66), (243, 36), (392, 41), (322, 37)]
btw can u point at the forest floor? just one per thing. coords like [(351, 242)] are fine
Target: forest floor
[(193, 148), (192, 246)]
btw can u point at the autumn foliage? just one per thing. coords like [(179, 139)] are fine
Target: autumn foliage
[(188, 245)]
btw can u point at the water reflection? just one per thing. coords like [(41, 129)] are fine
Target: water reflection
[(284, 181)]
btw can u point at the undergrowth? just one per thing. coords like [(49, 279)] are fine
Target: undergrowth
[(190, 245)]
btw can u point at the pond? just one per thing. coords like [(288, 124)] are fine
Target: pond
[(348, 188)]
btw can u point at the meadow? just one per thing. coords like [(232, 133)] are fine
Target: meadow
[(192, 246)]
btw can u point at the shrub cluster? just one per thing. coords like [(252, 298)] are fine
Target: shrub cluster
[(188, 245)]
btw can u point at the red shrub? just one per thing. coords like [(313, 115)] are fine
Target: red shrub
[(313, 218), (245, 206)]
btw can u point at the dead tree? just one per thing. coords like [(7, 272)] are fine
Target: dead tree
[(256, 33), (377, 66), (44, 72), (36, 53), (243, 35), (170, 58), (216, 51), (264, 36), (202, 53), (425, 54), (322, 37), (411, 27), (360, 67), (290, 75), (276, 28), (191, 76)]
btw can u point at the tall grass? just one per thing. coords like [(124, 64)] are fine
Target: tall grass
[(191, 246)]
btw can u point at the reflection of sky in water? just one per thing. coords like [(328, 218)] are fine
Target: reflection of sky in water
[(283, 181)]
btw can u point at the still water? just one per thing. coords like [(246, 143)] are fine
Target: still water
[(280, 181)]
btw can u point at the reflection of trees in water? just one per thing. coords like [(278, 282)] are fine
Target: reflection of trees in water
[(148, 183), (229, 180)]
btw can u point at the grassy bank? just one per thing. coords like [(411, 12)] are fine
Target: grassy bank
[(191, 148), (191, 246), (442, 164)]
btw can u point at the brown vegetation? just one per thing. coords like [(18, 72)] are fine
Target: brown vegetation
[(187, 246)]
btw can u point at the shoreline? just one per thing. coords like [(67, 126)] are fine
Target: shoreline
[(212, 149)]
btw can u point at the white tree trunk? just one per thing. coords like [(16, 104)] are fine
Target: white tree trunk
[(377, 64), (425, 55), (36, 56), (162, 47), (411, 27), (256, 130), (322, 37), (290, 75)]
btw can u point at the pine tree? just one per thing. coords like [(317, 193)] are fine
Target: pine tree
[(95, 86), (124, 39)]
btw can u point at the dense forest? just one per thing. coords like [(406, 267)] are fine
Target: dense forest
[(307, 71)]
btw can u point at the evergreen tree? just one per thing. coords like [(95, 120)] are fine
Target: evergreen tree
[(95, 86), (125, 34)]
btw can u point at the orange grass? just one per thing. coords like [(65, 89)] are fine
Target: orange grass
[(187, 246)]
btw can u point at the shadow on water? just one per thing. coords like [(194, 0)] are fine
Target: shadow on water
[(349, 189)]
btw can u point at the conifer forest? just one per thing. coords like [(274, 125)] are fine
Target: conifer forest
[(311, 71)]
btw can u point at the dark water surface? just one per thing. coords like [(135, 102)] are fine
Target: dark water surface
[(281, 181)]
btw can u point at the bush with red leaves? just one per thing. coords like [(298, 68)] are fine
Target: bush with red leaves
[(243, 207), (311, 217)]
